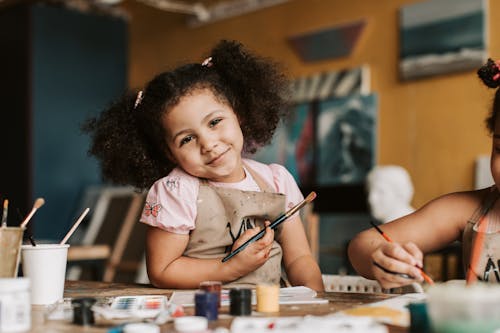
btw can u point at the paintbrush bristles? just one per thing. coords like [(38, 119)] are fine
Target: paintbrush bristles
[(5, 210), (311, 196), (308, 199), (39, 203)]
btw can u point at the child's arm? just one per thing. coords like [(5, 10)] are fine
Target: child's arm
[(168, 268), (428, 229), (301, 268)]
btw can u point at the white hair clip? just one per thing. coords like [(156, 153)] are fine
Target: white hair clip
[(138, 99), (207, 62)]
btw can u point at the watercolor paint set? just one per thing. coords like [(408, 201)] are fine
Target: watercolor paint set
[(143, 306), (143, 302)]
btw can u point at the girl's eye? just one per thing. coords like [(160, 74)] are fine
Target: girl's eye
[(215, 122), (496, 146), (185, 140)]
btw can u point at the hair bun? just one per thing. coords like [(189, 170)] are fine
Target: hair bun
[(490, 73)]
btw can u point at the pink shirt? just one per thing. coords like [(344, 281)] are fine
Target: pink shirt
[(171, 202)]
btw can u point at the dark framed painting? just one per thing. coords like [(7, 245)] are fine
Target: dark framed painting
[(329, 109), (346, 139)]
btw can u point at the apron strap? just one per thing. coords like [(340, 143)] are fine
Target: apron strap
[(485, 205), (264, 186)]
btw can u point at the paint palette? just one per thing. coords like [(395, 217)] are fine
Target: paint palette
[(144, 306), (134, 303), (154, 307)]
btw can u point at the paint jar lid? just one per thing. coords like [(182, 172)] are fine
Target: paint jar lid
[(83, 301), (191, 324), (141, 328), (14, 284), (207, 284), (202, 296)]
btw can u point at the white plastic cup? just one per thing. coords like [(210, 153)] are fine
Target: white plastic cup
[(455, 307), (45, 266)]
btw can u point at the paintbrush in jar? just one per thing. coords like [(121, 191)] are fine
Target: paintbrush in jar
[(5, 212)]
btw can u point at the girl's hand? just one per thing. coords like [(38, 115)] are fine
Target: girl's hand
[(255, 254), (395, 265)]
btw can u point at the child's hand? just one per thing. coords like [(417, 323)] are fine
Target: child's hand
[(255, 254), (396, 265)]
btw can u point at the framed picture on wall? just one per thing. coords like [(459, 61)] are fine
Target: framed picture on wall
[(442, 36), (346, 139), (293, 144), (309, 142), (300, 144)]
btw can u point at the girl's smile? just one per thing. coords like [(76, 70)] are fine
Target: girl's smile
[(204, 137), (218, 159)]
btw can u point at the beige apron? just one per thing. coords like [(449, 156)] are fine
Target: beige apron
[(224, 214), (489, 262)]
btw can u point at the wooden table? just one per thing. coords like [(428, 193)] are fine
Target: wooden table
[(75, 289)]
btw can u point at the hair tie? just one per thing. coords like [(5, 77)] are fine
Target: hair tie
[(490, 73), (138, 99), (207, 62), (495, 67)]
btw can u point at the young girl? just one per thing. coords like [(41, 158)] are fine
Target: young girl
[(183, 137), (451, 217)]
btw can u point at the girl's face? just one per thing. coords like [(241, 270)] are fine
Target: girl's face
[(204, 137)]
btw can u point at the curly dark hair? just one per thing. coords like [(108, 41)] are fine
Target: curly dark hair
[(129, 141), (489, 73)]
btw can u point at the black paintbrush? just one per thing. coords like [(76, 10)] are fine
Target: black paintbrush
[(273, 225)]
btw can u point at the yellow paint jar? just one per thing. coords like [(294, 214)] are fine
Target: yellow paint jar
[(268, 297)]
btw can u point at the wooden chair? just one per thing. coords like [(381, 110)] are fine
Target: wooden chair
[(126, 255), (115, 212)]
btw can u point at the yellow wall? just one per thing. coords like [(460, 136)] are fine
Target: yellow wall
[(433, 126)]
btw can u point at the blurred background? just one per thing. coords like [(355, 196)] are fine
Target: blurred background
[(373, 82)]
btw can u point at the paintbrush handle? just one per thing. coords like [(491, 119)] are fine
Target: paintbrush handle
[(73, 228), (426, 277), (28, 218), (254, 238), (273, 225)]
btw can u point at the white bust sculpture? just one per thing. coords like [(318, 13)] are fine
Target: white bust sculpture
[(390, 191)]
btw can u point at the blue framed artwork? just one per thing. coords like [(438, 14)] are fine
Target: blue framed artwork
[(328, 140), (293, 144), (442, 36), (346, 139)]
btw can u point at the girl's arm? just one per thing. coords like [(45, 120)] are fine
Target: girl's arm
[(301, 268), (168, 268), (428, 229)]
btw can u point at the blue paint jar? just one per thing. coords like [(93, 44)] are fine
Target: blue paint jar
[(207, 304)]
